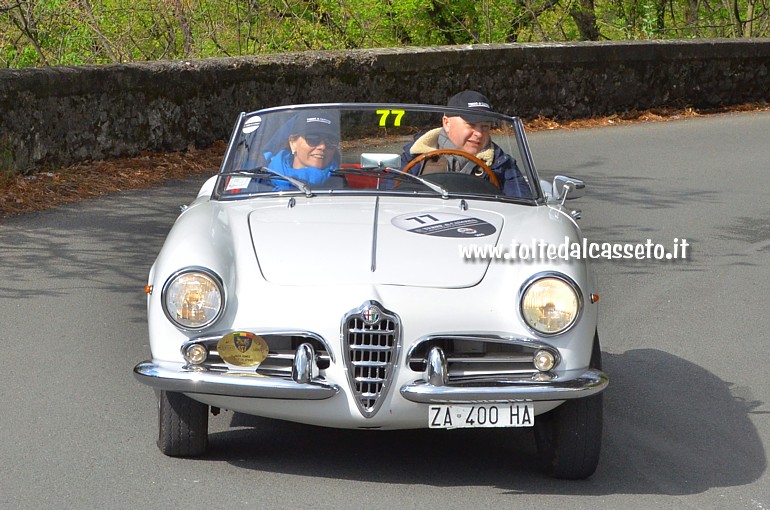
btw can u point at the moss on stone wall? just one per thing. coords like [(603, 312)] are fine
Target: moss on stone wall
[(7, 160)]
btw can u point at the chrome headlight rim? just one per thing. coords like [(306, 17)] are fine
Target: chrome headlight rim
[(557, 276), (187, 270)]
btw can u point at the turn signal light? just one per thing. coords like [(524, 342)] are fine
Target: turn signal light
[(544, 360), (195, 354)]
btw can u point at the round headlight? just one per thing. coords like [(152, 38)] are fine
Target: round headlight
[(193, 299), (550, 305)]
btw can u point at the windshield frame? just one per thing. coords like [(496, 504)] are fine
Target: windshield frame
[(526, 163)]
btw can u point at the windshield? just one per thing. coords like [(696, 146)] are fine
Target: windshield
[(382, 149)]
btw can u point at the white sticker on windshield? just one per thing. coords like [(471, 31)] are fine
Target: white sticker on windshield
[(252, 124), (237, 183), (443, 224)]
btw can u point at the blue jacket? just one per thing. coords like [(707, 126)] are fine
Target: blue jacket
[(282, 162)]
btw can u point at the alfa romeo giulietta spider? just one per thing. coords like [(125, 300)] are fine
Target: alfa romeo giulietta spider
[(379, 266)]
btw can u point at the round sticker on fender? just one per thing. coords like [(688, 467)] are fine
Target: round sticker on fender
[(242, 349), (443, 224)]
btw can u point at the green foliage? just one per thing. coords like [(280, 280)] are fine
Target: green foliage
[(73, 32)]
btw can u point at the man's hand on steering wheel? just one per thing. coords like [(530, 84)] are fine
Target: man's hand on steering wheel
[(484, 167)]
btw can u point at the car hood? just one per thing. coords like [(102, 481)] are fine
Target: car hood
[(376, 240)]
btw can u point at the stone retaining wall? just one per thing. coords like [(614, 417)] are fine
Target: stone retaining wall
[(60, 115)]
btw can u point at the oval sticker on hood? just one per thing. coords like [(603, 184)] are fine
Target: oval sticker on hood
[(443, 224)]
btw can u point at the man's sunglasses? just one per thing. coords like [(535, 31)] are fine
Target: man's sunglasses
[(316, 140)]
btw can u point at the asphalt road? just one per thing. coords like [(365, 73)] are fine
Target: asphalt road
[(687, 419)]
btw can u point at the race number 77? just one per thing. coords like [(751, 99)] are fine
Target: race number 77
[(384, 114)]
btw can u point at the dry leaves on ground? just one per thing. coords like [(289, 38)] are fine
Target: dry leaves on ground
[(42, 190)]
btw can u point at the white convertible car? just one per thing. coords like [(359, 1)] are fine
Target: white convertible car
[(379, 266)]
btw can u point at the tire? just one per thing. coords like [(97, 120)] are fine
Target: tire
[(569, 438), (183, 425)]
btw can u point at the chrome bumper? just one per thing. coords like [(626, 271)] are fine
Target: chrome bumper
[(437, 391), (177, 378)]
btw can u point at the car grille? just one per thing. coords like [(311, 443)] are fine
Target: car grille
[(477, 358), (371, 337)]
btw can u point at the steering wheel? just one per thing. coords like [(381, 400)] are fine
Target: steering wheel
[(422, 157)]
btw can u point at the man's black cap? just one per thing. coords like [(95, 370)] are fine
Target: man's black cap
[(471, 99)]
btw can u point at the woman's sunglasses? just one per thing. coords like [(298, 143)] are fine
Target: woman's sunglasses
[(316, 140)]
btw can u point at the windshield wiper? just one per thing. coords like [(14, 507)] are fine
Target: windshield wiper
[(263, 170), (435, 187)]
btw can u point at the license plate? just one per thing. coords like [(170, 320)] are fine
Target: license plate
[(517, 414)]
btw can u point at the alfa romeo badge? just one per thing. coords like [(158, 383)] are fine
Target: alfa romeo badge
[(370, 314)]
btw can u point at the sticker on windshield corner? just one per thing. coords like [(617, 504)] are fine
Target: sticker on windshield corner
[(252, 124), (443, 225), (236, 182)]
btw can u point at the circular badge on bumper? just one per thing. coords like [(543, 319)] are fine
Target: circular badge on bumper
[(242, 349)]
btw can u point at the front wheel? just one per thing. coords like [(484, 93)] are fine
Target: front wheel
[(183, 428), (569, 438)]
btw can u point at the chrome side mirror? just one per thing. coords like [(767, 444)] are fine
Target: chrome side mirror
[(567, 188)]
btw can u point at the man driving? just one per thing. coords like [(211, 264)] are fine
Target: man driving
[(471, 134)]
